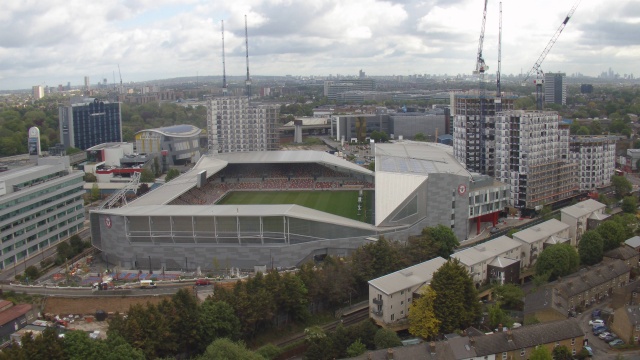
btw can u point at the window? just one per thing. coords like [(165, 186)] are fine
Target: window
[(573, 351), (573, 341), (401, 302), (392, 317), (504, 356), (522, 352)]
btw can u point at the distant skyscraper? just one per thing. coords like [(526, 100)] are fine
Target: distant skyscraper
[(89, 123), (233, 125), (38, 92), (87, 83), (555, 91)]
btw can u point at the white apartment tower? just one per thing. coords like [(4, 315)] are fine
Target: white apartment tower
[(473, 140), (532, 158), (233, 125), (37, 92), (595, 157)]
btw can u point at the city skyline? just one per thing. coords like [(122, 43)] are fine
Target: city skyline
[(57, 42)]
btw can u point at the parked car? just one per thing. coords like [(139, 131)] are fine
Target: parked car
[(494, 230), (203, 282), (598, 326), (600, 330), (596, 321), (610, 337), (616, 342), (596, 313), (604, 335), (589, 350)]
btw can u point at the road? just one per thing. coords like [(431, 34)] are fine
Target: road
[(165, 289)]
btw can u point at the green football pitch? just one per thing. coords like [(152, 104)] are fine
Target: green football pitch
[(342, 203)]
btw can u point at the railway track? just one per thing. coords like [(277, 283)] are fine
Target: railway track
[(348, 320)]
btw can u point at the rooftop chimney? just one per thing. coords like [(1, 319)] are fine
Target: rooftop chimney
[(500, 328), (432, 347), (389, 354), (509, 335), (472, 341)]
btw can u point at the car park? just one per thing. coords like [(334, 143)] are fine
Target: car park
[(616, 342)]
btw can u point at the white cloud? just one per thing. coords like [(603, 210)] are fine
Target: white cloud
[(63, 40)]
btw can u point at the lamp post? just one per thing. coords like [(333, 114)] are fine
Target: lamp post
[(149, 264)]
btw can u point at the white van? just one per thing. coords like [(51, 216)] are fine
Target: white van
[(147, 284)]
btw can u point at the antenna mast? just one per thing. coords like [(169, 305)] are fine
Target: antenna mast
[(246, 42), (224, 69)]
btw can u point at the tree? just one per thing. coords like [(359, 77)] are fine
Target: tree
[(147, 176), (630, 204), (171, 174), (613, 234), (558, 260), (372, 166), (562, 353), (77, 244), (621, 185), (95, 192), (422, 318), (386, 338), (497, 316), (540, 353), (356, 349), (217, 320), (89, 177), (595, 128), (583, 130), (225, 349), (421, 248), (419, 137), (443, 237), (545, 212), (511, 295), (31, 273), (456, 304), (269, 351), (590, 248)]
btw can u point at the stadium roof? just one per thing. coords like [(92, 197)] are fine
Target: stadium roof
[(175, 131), (213, 164), (292, 157), (402, 166), (295, 211), (108, 145)]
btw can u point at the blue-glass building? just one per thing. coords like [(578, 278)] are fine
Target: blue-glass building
[(88, 122)]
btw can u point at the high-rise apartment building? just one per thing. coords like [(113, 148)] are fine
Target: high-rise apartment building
[(531, 157), (88, 122), (87, 83), (473, 138), (555, 90), (39, 206), (234, 125), (37, 92), (595, 157)]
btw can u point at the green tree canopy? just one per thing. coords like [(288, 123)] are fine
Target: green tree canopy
[(172, 174), (419, 137), (95, 192), (386, 338), (422, 318), (443, 237), (225, 349), (498, 317), (630, 204), (561, 353), (147, 176), (456, 303), (612, 234), (558, 260), (356, 349), (540, 353), (591, 248), (621, 185), (510, 295)]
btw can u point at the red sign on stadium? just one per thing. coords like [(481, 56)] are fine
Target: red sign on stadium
[(462, 189)]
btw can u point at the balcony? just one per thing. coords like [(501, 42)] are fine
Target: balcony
[(377, 301), (376, 312)]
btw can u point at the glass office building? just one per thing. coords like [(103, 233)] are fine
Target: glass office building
[(88, 122)]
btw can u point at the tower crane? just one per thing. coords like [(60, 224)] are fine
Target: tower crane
[(536, 67), (498, 100), (224, 70), (246, 42), (481, 66), (121, 90)]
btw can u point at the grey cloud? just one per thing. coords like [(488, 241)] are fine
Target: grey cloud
[(610, 33)]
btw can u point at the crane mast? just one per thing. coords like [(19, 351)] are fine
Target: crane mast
[(481, 66), (536, 67), (498, 100), (224, 70), (246, 42), (121, 90)]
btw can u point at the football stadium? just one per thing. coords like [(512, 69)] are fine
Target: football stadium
[(283, 208)]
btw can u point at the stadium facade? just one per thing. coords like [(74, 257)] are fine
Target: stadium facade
[(181, 225), (181, 143)]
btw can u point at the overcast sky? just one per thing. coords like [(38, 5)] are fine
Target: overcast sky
[(58, 41)]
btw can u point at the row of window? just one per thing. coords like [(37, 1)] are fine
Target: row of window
[(38, 194)]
